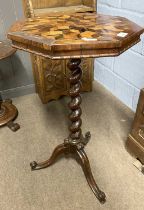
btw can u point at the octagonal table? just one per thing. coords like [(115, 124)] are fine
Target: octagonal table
[(73, 37)]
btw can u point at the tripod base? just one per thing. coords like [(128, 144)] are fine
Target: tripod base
[(8, 113), (76, 141), (81, 157)]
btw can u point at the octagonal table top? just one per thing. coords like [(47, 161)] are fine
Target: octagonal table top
[(60, 36)]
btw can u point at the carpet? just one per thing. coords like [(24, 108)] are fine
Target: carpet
[(63, 185)]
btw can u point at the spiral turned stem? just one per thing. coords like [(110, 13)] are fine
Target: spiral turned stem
[(74, 105), (76, 142)]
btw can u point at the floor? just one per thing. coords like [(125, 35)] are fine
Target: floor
[(63, 185)]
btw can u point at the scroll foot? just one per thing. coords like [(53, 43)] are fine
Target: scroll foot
[(60, 149), (13, 126), (88, 174), (8, 113)]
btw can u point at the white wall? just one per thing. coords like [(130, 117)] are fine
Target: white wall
[(123, 75)]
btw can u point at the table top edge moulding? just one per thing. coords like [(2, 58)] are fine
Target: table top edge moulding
[(60, 36)]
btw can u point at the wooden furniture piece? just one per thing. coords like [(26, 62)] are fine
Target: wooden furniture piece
[(135, 141), (50, 75), (73, 37), (8, 111)]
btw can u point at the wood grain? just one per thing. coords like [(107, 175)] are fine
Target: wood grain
[(36, 7), (55, 3), (75, 35), (63, 10)]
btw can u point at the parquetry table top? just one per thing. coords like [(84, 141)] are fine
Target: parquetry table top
[(61, 36)]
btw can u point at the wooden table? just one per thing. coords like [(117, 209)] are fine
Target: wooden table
[(75, 36), (8, 112)]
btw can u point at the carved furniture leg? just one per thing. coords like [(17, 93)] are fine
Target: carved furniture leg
[(8, 113), (89, 176), (60, 149), (76, 141)]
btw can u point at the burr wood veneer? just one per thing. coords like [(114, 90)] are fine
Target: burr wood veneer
[(50, 75), (73, 37)]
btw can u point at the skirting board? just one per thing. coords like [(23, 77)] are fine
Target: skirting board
[(19, 91)]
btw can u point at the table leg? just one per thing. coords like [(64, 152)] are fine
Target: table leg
[(76, 141)]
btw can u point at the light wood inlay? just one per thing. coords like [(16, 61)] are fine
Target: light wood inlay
[(75, 35)]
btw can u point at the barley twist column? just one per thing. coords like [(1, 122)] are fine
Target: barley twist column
[(75, 142), (75, 136)]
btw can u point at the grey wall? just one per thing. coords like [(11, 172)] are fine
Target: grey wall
[(15, 72), (123, 75)]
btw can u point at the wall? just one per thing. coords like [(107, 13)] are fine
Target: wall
[(123, 75), (15, 72)]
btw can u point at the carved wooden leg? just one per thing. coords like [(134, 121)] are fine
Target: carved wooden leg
[(59, 150), (8, 113), (76, 141), (88, 174)]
